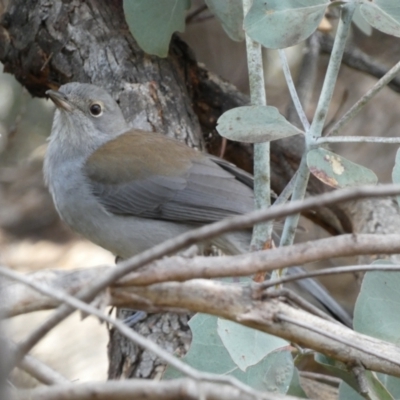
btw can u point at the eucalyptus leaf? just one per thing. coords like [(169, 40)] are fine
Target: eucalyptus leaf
[(277, 24), (230, 14), (337, 171), (383, 15), (346, 392), (295, 388), (376, 390), (152, 22), (255, 124), (208, 353), (377, 307), (396, 172), (361, 23), (247, 346), (336, 367), (391, 383)]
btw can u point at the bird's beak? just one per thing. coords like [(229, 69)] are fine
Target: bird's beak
[(60, 100)]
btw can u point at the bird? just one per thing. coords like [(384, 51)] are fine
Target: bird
[(127, 189)]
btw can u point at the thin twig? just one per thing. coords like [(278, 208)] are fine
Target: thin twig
[(299, 301), (357, 139), (360, 104), (356, 59), (36, 368), (262, 170), (200, 234), (292, 90), (333, 68), (307, 76), (338, 339), (320, 377), (330, 271), (141, 389), (130, 334)]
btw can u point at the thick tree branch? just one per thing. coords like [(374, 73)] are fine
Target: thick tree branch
[(19, 300), (244, 305)]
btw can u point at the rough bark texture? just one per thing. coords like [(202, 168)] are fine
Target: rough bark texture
[(45, 44)]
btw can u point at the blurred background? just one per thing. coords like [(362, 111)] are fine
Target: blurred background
[(32, 237)]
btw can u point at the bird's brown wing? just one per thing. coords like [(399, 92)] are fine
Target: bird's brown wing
[(164, 179)]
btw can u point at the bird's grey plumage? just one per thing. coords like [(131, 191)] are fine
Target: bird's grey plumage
[(117, 211), (128, 190), (203, 192)]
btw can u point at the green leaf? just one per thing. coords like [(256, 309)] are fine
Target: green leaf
[(337, 171), (208, 353), (277, 24), (377, 307), (152, 22), (230, 14), (247, 346), (396, 172), (295, 388), (348, 393), (376, 390), (391, 383), (255, 124), (338, 368), (383, 15), (361, 23)]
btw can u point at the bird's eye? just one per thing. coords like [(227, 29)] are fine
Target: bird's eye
[(96, 109)]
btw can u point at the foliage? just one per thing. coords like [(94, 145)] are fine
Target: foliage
[(278, 24)]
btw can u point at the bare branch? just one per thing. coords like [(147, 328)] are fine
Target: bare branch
[(36, 368), (196, 235), (358, 60), (139, 389), (17, 299), (244, 304), (127, 332), (41, 371)]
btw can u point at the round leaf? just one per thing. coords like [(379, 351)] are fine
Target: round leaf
[(152, 22), (230, 14), (247, 346), (377, 308), (348, 393), (277, 24), (383, 15), (361, 23), (255, 124), (208, 353), (337, 171)]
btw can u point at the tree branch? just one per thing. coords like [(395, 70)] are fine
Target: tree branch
[(178, 389)]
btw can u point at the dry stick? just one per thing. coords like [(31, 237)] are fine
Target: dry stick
[(194, 236), (300, 302), (142, 389), (41, 371), (331, 271), (36, 368), (244, 305), (336, 338), (238, 304), (131, 334), (180, 269), (320, 377)]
